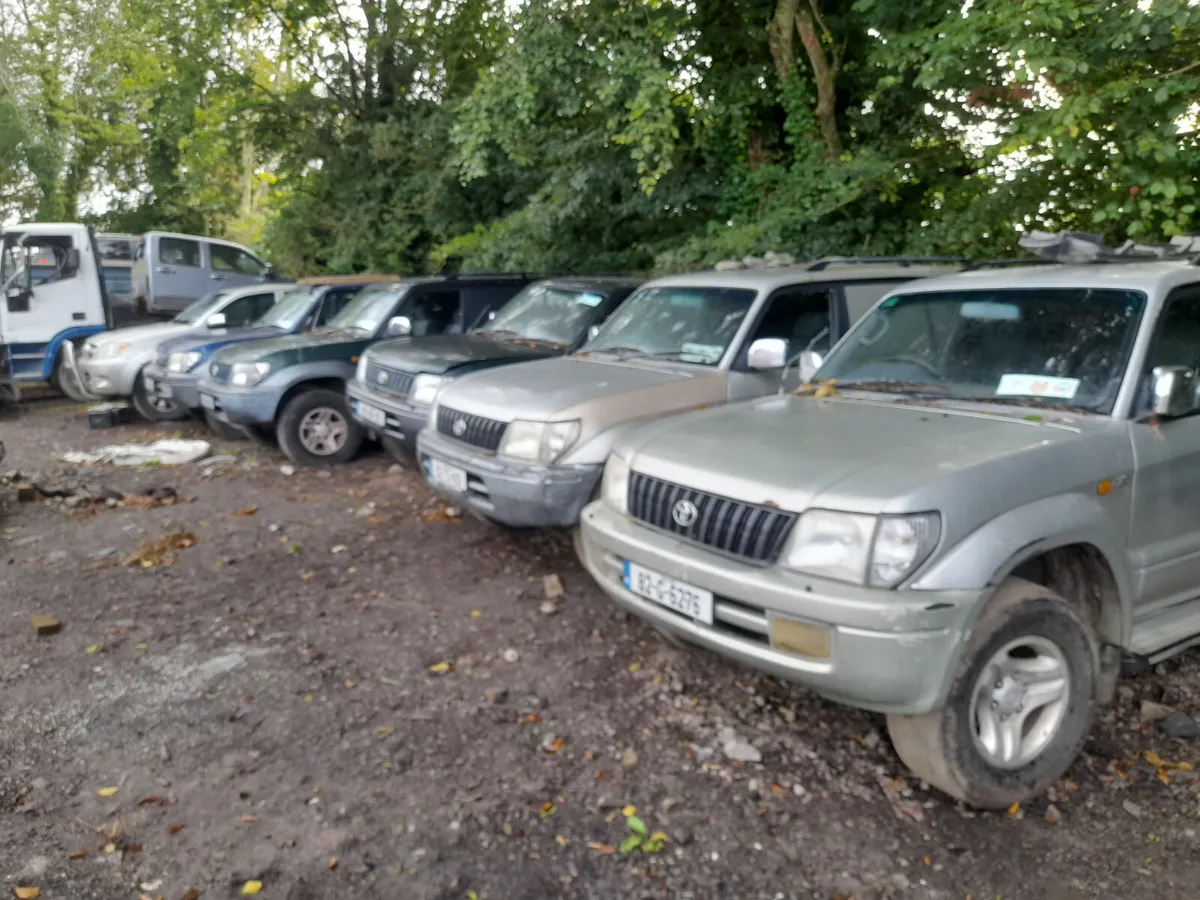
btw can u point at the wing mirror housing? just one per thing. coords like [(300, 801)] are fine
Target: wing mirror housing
[(1174, 391), (216, 320), (767, 353), (810, 361), (399, 326), (70, 264)]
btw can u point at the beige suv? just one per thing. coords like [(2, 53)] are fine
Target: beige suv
[(524, 445)]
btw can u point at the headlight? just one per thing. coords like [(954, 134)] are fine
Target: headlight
[(248, 374), (541, 441), (360, 373), (424, 389), (111, 351), (615, 486), (862, 549), (183, 362)]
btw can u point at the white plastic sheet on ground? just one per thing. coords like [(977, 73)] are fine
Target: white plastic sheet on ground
[(163, 453)]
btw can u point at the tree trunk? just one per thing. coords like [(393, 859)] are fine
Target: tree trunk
[(779, 36), (825, 75)]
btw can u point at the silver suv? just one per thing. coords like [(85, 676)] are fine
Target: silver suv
[(524, 445), (981, 506)]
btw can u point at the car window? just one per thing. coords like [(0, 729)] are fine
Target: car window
[(247, 309), (335, 300), (861, 296), (197, 310), (433, 312), (369, 309), (1176, 339), (117, 280), (231, 259), (800, 316), (541, 312), (287, 313), (691, 324), (178, 252), (1068, 346)]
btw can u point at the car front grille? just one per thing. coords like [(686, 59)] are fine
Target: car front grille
[(746, 530), (381, 379), (220, 372), (474, 430)]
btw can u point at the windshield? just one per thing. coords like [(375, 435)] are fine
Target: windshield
[(200, 308), (368, 309), (1059, 347), (289, 311), (541, 313), (691, 324)]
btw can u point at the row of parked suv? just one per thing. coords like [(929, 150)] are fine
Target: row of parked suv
[(961, 496)]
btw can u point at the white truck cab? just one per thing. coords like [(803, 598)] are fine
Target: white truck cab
[(52, 294)]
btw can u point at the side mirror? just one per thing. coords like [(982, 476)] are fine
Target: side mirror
[(70, 263), (399, 326), (216, 320), (810, 361), (767, 353), (1174, 389)]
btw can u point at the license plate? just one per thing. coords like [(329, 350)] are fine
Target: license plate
[(208, 401), (448, 476), (683, 598), (372, 415)]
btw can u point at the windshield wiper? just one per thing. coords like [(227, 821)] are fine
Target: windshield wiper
[(498, 332), (1039, 402), (909, 388)]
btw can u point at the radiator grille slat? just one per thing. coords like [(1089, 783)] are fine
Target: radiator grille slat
[(393, 382), (474, 430)]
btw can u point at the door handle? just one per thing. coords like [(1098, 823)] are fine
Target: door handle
[(164, 270), (215, 277)]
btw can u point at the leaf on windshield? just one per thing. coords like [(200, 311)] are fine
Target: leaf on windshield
[(816, 389)]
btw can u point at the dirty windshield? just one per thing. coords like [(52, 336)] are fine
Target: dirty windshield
[(690, 324), (1049, 346), (196, 311), (291, 308), (543, 313), (368, 310)]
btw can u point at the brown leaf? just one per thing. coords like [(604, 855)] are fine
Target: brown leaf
[(249, 819), (159, 551), (529, 718), (192, 894), (26, 893), (175, 829), (333, 864), (606, 849), (600, 776), (77, 854), (154, 800), (248, 511)]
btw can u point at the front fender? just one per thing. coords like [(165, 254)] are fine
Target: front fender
[(597, 450), (312, 371), (989, 554)]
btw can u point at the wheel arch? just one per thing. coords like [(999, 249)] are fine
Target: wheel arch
[(326, 382)]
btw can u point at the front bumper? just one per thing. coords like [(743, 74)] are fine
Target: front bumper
[(513, 492), (402, 421), (183, 388), (109, 377), (889, 651), (240, 406)]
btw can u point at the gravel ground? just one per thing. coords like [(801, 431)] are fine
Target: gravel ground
[(338, 690)]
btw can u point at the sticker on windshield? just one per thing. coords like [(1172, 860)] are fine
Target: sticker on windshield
[(1037, 386), (590, 299), (705, 353)]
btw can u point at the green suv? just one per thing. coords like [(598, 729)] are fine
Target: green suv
[(294, 386)]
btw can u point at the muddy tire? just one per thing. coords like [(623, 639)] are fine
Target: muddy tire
[(223, 430), (398, 451), (155, 409), (1020, 706), (316, 429)]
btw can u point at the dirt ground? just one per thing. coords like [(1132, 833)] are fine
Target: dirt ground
[(341, 692)]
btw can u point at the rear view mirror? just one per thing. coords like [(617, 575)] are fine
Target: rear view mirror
[(767, 353), (810, 361), (593, 331), (491, 315), (399, 326), (216, 320), (1174, 391)]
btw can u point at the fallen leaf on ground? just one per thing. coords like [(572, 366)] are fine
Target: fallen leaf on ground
[(548, 809), (26, 893), (175, 829), (384, 729), (248, 511), (154, 800), (249, 819), (77, 854), (475, 614), (159, 551), (251, 887), (107, 791), (1014, 809), (441, 667), (529, 718), (629, 811), (560, 840), (333, 864), (555, 745), (606, 849), (634, 667), (192, 894), (94, 648)]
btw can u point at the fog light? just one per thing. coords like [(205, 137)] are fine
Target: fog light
[(801, 638)]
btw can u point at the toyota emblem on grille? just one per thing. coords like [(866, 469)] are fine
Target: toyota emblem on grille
[(381, 377), (685, 513), (459, 427)]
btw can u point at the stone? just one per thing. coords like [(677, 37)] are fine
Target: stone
[(553, 587), (45, 625), (511, 655), (1132, 808), (1155, 712), (287, 470), (39, 784), (629, 759), (737, 748), (548, 607), (1180, 725), (1053, 815)]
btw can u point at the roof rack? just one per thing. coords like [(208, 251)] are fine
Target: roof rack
[(828, 261), (1074, 247), (468, 275), (1008, 263)]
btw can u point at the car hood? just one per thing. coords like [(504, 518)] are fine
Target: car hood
[(299, 344), (438, 354), (571, 387), (882, 457), (141, 334), (213, 338)]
